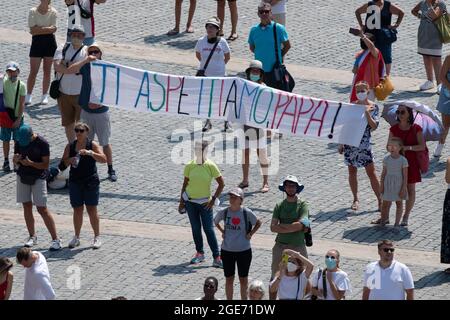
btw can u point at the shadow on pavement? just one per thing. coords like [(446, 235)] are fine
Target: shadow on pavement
[(338, 215), (434, 279), (182, 268), (9, 252), (63, 254), (43, 113), (406, 95), (373, 234)]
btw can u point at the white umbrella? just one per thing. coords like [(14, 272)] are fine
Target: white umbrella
[(427, 119)]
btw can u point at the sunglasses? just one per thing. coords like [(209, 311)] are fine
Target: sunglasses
[(389, 250), (330, 257), (264, 11), (78, 35), (79, 130), (94, 52), (402, 112), (209, 286)]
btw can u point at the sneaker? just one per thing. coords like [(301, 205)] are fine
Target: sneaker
[(217, 263), (207, 126), (55, 245), (28, 99), (6, 167), (112, 176), (198, 257), (32, 241), (427, 85), (75, 242), (97, 243), (44, 99), (438, 150)]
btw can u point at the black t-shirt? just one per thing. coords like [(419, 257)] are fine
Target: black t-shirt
[(35, 151)]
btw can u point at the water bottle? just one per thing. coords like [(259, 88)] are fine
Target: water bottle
[(77, 160), (308, 238)]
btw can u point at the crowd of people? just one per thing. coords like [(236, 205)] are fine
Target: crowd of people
[(292, 274)]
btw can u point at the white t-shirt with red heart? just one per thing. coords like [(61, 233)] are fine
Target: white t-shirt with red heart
[(235, 234)]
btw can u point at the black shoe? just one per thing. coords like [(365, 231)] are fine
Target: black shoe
[(207, 126), (112, 176), (6, 167), (227, 126)]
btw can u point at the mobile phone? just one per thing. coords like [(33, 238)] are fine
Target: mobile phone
[(285, 258), (354, 31)]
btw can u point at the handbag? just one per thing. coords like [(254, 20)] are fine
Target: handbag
[(8, 115), (201, 72), (384, 89), (54, 92), (387, 35), (281, 76), (443, 25)]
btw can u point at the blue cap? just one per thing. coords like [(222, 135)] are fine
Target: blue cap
[(24, 135)]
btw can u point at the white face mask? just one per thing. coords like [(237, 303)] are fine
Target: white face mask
[(291, 267), (361, 95)]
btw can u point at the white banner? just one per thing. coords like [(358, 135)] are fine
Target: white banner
[(229, 98)]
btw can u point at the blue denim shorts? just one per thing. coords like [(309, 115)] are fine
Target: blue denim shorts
[(80, 195)]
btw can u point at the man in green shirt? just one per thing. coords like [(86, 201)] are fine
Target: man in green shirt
[(12, 88), (289, 219)]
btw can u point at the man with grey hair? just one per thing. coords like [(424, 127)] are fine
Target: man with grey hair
[(262, 42)]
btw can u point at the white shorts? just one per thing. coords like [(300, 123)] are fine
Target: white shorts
[(38, 191)]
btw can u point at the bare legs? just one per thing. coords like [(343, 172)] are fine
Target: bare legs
[(264, 163), (189, 28), (229, 287), (107, 150), (48, 62), (446, 123), (388, 69), (70, 133), (46, 216), (35, 64), (385, 211), (353, 182), (432, 64), (93, 217), (234, 17), (410, 202)]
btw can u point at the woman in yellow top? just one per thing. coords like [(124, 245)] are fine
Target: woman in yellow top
[(197, 201)]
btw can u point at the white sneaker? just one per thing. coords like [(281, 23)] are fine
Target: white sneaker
[(55, 245), (438, 150), (75, 242), (44, 99), (97, 243), (32, 241), (427, 85), (28, 99)]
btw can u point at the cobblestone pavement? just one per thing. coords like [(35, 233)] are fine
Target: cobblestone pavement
[(320, 42), (140, 268), (142, 149)]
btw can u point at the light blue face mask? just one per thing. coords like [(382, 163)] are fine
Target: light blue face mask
[(255, 77), (330, 263)]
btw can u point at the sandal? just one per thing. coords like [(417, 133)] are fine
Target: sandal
[(232, 37), (380, 222), (265, 188), (173, 32), (355, 205), (243, 185)]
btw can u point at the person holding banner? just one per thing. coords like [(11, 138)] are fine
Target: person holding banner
[(369, 66), (197, 201), (213, 53), (362, 157), (412, 138), (14, 92), (255, 73)]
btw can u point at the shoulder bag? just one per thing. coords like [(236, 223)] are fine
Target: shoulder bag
[(54, 86), (201, 72), (282, 78), (443, 25), (384, 88)]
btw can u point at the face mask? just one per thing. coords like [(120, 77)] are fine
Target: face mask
[(13, 78), (291, 267), (361, 95), (255, 77), (77, 41), (330, 263)]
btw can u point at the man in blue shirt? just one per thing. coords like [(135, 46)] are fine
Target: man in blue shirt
[(262, 43)]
